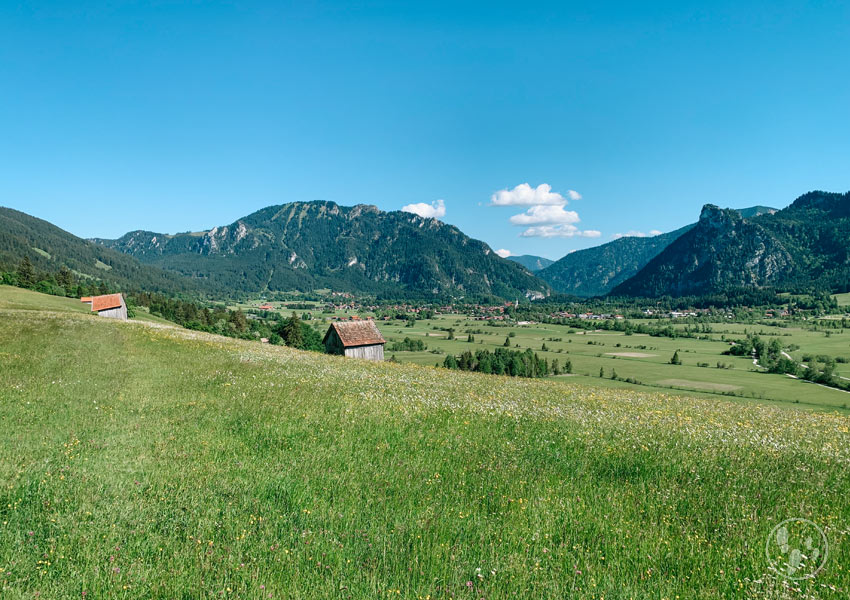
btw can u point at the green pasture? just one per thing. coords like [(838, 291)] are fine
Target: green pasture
[(157, 462), (641, 357)]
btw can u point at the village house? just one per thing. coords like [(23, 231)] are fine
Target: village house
[(110, 305), (357, 339)]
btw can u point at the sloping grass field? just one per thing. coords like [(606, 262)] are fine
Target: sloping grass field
[(143, 461)]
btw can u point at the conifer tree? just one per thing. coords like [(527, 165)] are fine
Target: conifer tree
[(26, 273)]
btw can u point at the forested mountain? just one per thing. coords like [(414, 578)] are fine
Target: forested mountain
[(804, 246), (49, 248), (531, 262), (314, 245), (596, 271)]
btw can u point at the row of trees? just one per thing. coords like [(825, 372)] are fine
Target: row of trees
[(503, 361)]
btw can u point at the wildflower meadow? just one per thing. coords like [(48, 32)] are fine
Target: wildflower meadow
[(145, 461)]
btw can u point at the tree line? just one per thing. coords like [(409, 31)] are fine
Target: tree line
[(504, 361), (291, 331)]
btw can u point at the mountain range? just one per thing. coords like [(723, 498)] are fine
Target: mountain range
[(320, 244)]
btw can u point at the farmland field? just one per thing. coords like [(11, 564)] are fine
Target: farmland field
[(144, 461), (638, 357)]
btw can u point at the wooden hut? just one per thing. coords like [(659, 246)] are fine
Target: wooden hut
[(359, 339), (111, 306)]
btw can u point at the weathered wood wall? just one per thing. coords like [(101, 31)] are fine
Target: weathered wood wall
[(374, 352), (116, 313), (333, 345)]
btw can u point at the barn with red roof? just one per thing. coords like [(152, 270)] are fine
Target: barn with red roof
[(110, 305)]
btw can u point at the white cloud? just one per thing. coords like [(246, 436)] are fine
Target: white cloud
[(504, 253), (435, 210), (545, 215), (565, 230), (525, 195), (633, 233)]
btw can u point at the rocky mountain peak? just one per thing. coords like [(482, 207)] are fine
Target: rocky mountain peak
[(715, 217)]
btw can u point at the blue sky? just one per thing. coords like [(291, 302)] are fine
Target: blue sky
[(176, 116)]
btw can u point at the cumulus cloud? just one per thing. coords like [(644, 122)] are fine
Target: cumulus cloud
[(633, 233), (545, 215), (504, 253), (566, 231), (525, 195), (435, 210)]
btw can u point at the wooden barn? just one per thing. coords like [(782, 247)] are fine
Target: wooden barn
[(111, 306), (358, 339)]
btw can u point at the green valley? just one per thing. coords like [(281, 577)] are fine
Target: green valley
[(638, 357)]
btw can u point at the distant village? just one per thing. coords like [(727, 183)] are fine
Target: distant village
[(506, 311)]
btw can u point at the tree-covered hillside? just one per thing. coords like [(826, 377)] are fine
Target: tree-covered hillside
[(596, 271), (805, 246), (311, 245), (49, 248)]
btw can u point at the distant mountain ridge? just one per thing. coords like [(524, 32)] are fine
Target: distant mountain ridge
[(803, 246), (314, 245), (320, 244), (531, 262)]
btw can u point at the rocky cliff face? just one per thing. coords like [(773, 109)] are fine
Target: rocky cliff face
[(724, 250)]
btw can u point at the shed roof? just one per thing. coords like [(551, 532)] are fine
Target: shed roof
[(85, 299), (99, 303), (357, 333)]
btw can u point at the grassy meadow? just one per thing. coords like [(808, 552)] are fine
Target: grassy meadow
[(144, 461)]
